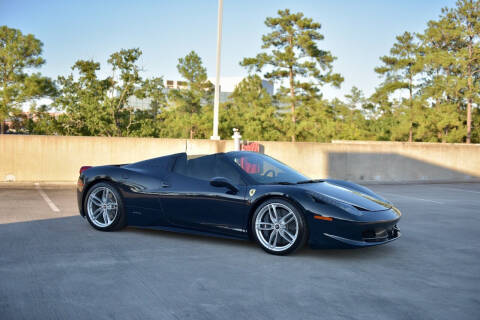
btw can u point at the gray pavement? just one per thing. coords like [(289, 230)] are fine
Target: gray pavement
[(53, 265)]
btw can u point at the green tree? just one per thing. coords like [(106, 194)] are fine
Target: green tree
[(440, 89), (451, 58), (149, 122), (352, 116), (466, 17), (292, 55), (399, 70), (83, 99), (42, 121), (188, 104), (19, 52), (103, 107), (251, 110)]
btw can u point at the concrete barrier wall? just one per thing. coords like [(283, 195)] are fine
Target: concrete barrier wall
[(56, 159)]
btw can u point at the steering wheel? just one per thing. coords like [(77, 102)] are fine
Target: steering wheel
[(269, 171)]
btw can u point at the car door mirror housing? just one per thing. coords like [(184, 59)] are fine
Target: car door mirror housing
[(222, 182)]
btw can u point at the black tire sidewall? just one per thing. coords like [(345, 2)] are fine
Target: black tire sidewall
[(302, 226), (120, 220)]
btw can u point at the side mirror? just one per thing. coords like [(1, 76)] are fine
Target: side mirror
[(222, 182)]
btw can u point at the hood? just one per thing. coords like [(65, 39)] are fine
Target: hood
[(349, 196)]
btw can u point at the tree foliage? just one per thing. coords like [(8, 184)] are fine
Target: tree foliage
[(292, 55), (103, 107), (19, 52), (429, 90), (186, 117)]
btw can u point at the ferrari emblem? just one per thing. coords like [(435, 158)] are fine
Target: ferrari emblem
[(252, 192)]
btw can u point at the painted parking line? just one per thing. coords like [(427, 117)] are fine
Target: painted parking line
[(409, 197), (46, 198), (459, 189)]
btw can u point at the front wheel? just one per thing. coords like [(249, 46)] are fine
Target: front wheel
[(104, 207), (279, 227)]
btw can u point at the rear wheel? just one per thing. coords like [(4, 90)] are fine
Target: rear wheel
[(104, 207), (279, 227)]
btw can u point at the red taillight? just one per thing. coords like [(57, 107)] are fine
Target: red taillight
[(84, 168)]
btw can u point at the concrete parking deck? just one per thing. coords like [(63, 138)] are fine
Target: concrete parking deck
[(53, 265)]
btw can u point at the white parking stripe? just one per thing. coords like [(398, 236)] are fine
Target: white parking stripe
[(409, 197), (459, 189), (46, 198)]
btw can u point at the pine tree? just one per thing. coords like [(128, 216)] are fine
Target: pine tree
[(399, 70), (292, 55), (466, 17), (251, 110), (186, 117)]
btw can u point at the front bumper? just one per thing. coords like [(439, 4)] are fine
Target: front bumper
[(382, 237), (372, 229)]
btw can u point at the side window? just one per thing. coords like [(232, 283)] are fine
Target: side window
[(223, 168), (202, 168), (206, 168), (180, 165)]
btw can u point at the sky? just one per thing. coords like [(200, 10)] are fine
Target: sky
[(356, 32)]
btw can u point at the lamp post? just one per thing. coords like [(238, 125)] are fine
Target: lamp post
[(216, 102)]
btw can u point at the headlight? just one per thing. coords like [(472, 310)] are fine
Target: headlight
[(348, 207)]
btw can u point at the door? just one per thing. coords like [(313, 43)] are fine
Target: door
[(192, 202)]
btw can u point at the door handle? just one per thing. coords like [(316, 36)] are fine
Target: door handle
[(164, 185)]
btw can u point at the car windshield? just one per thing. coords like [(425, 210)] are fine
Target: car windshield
[(264, 169)]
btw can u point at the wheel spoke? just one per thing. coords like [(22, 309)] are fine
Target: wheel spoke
[(96, 200), (104, 195), (264, 226), (106, 217), (274, 208), (273, 238), (96, 213), (287, 236), (289, 217), (272, 212)]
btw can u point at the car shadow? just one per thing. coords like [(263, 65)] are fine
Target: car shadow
[(189, 237), (62, 228), (369, 253)]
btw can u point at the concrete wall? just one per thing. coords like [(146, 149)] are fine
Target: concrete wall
[(53, 158)]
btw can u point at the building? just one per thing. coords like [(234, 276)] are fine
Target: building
[(227, 86)]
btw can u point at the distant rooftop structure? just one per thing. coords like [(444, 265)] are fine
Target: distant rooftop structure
[(227, 86), (175, 84), (139, 104)]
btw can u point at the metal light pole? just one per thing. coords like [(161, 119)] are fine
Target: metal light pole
[(217, 78)]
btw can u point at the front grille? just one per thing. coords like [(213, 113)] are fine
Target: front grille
[(378, 235)]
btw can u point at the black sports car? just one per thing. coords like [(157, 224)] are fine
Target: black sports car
[(243, 195)]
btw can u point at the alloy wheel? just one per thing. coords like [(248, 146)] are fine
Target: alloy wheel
[(276, 227), (102, 207)]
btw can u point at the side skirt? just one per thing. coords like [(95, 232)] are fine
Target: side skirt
[(192, 231)]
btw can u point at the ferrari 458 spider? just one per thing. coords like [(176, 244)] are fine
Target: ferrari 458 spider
[(242, 195)]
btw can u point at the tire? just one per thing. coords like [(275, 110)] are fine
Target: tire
[(279, 227), (97, 202)]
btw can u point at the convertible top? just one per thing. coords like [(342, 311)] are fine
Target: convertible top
[(161, 163)]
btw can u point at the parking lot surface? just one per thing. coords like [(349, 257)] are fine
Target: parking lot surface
[(53, 265)]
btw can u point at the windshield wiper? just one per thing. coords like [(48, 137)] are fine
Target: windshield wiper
[(310, 181), (283, 182)]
